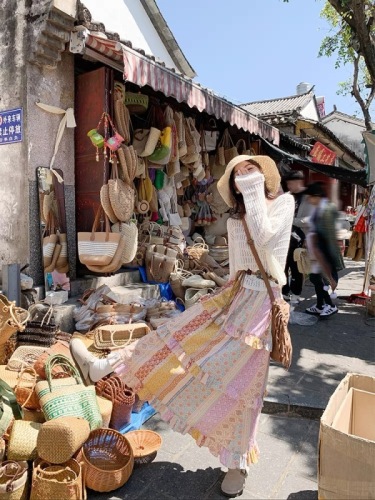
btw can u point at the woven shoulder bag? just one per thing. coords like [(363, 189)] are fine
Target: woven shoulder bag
[(281, 341), (67, 396)]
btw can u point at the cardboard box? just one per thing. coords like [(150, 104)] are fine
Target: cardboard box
[(346, 458)]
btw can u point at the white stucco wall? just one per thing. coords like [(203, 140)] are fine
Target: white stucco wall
[(310, 111), (126, 17), (350, 133)]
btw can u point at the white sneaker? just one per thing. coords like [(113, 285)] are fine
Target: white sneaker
[(328, 311), (286, 297), (314, 310), (233, 483)]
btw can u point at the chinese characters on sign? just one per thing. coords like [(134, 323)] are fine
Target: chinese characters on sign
[(322, 154), (11, 126)]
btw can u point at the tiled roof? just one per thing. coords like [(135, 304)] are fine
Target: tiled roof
[(283, 105)]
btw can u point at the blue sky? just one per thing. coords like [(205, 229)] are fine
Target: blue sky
[(250, 50)]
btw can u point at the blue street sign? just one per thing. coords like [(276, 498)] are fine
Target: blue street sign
[(11, 126)]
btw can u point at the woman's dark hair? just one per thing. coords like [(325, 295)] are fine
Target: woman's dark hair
[(238, 211)]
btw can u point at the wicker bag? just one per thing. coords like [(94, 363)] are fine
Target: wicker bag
[(57, 371), (121, 196), (25, 389), (129, 231), (98, 248), (13, 480), (22, 440), (24, 356), (110, 337), (108, 460), (122, 397), (12, 319), (41, 330), (67, 396), (60, 438), (62, 482)]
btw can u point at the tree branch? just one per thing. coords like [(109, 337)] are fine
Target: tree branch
[(358, 97)]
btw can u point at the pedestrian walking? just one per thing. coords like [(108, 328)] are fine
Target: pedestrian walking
[(205, 371), (296, 186), (323, 250)]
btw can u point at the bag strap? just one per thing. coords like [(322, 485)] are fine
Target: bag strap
[(7, 394), (65, 363), (250, 241), (99, 213)]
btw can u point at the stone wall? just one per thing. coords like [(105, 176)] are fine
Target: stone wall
[(34, 67), (14, 193)]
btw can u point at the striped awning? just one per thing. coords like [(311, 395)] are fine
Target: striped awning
[(142, 70)]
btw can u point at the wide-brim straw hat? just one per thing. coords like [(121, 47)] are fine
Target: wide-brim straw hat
[(266, 165)]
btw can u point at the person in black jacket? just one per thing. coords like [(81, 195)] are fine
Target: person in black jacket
[(295, 184)]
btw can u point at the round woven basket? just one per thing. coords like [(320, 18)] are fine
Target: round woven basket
[(145, 445), (108, 459)]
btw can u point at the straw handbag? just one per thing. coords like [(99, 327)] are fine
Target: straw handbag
[(110, 337), (122, 397), (129, 231), (22, 440), (108, 460), (24, 356), (98, 248), (61, 437), (62, 482), (121, 196), (12, 319), (58, 348), (25, 389), (13, 480), (67, 396)]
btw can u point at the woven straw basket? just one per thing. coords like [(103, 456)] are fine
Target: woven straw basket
[(22, 440), (13, 480), (62, 482), (108, 460), (60, 438), (145, 445), (118, 336), (105, 407)]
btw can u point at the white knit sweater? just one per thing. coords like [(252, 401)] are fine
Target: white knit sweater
[(269, 223)]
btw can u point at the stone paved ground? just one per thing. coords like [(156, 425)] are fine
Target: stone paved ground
[(289, 425)]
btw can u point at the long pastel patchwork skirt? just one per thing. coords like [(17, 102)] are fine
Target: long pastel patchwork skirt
[(205, 371)]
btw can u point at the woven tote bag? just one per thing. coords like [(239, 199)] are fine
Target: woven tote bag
[(98, 248), (13, 480), (57, 481), (129, 231), (121, 195), (12, 319), (122, 397), (25, 389), (67, 396)]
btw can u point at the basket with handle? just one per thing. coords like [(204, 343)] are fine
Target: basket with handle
[(122, 397), (108, 460), (64, 481), (118, 336), (67, 396), (13, 480), (25, 389)]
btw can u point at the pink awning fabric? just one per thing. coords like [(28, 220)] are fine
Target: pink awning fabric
[(143, 71)]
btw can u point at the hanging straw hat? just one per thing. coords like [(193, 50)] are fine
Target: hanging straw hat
[(266, 165)]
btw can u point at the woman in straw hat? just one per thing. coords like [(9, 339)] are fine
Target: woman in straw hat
[(206, 370)]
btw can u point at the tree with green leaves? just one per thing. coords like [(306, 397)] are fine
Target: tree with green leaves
[(353, 42)]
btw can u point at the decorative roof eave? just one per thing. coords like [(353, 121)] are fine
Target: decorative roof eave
[(295, 141), (322, 133), (167, 37)]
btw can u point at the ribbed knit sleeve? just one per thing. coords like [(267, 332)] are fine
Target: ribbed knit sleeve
[(269, 222)]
